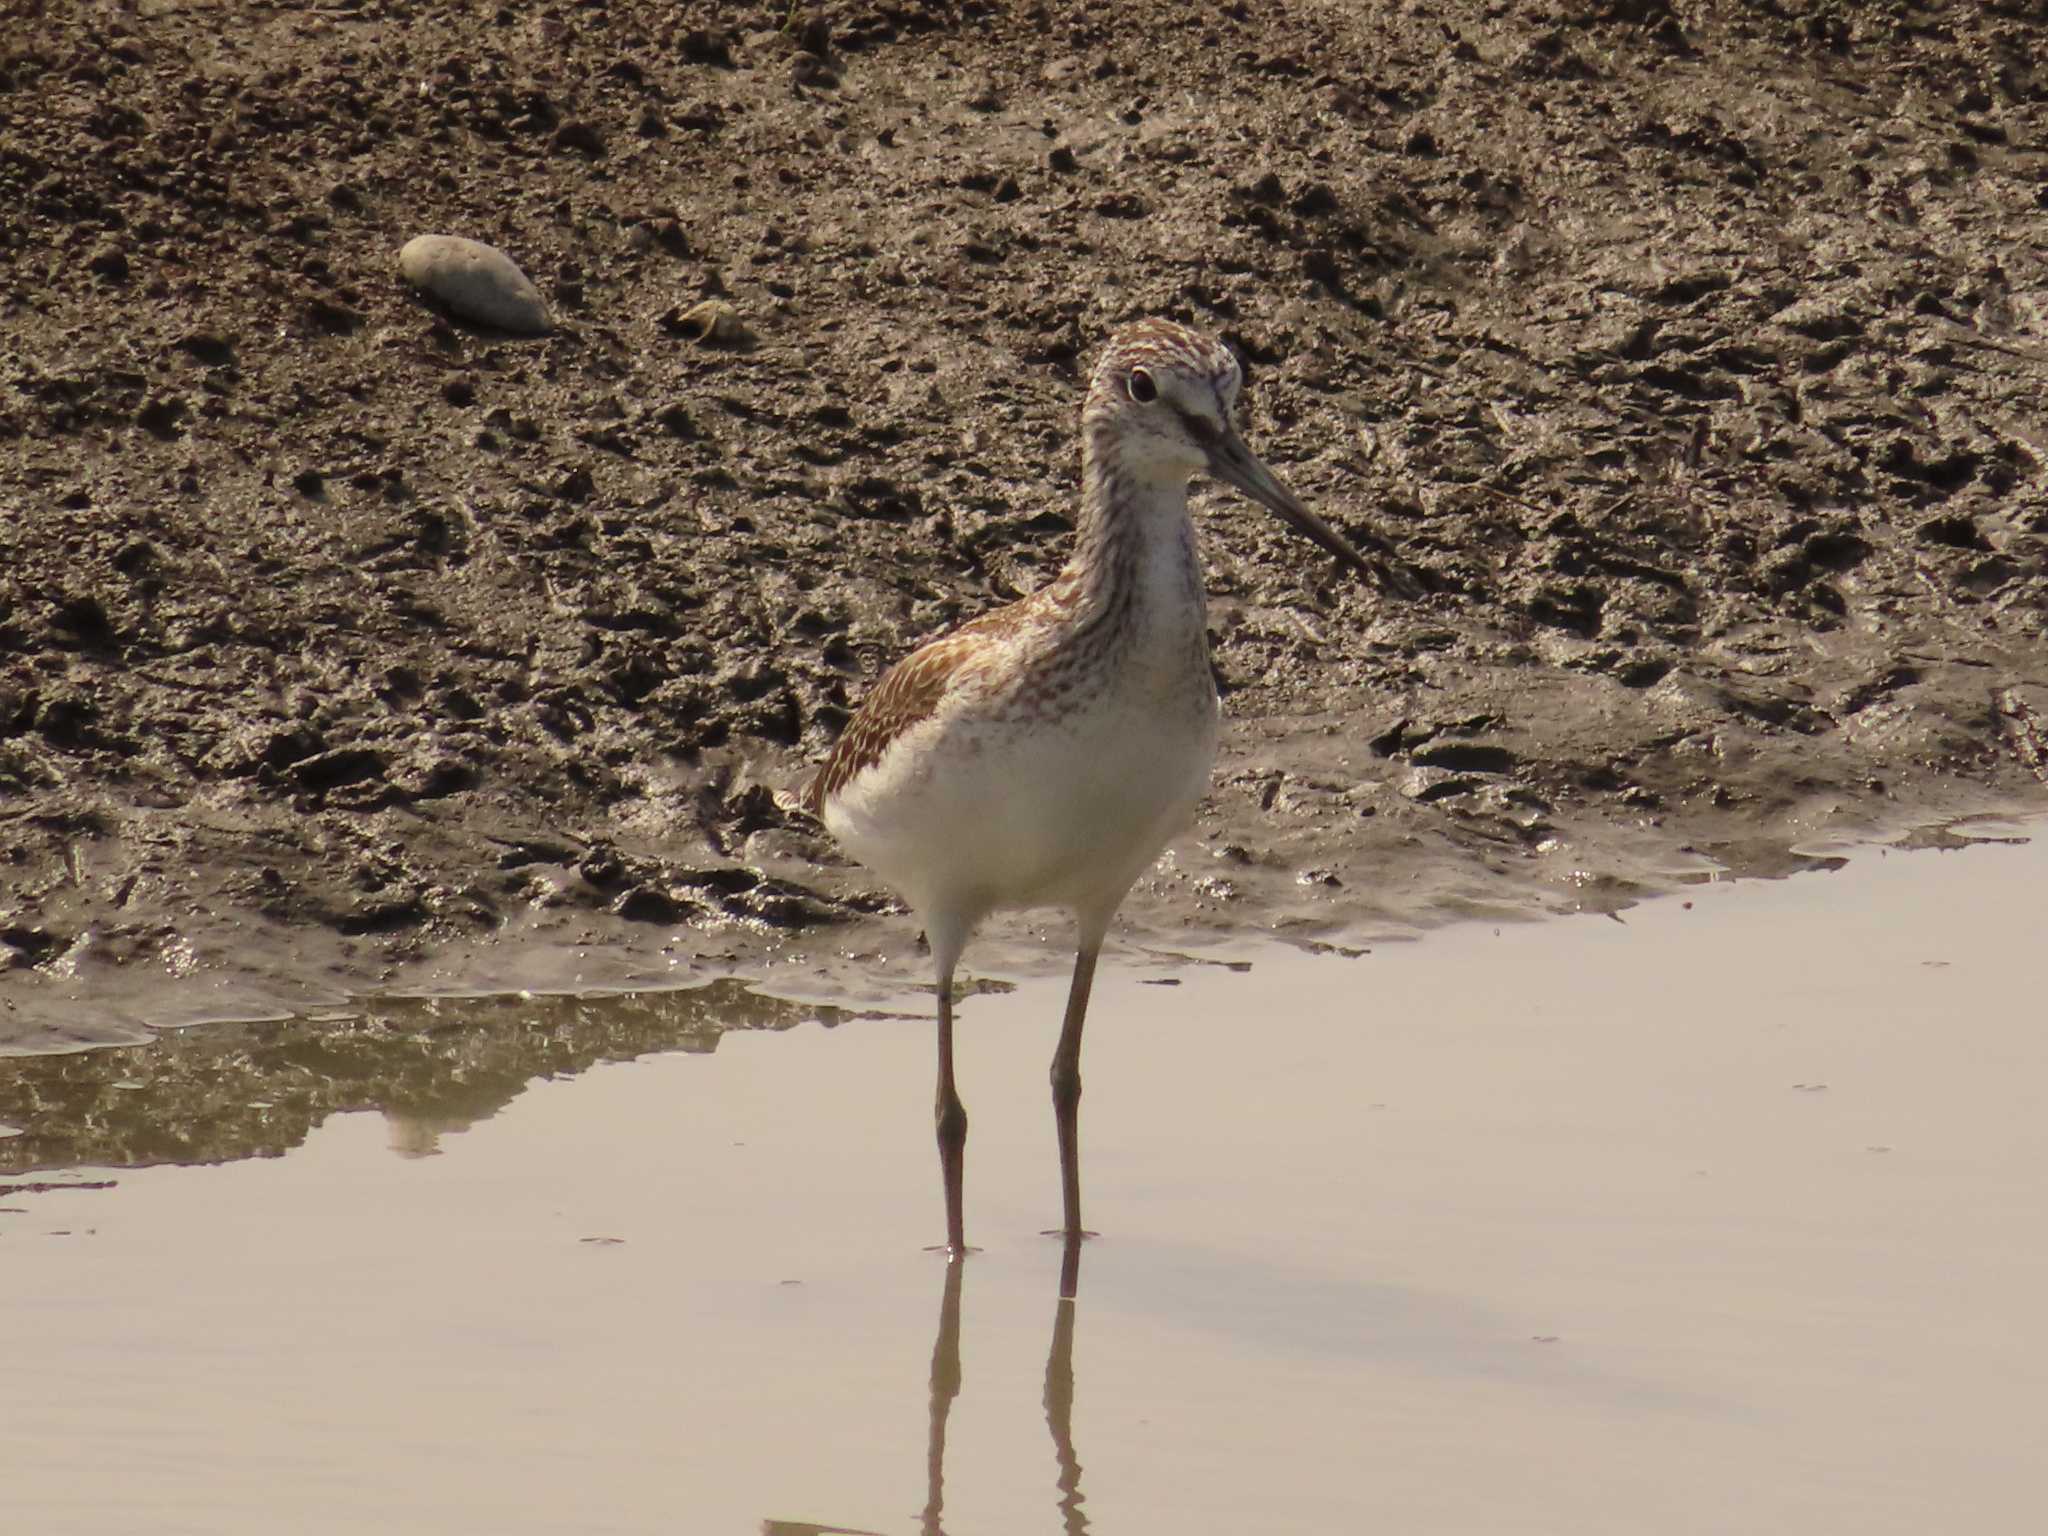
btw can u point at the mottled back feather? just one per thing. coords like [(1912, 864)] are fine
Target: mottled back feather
[(909, 692), (913, 689)]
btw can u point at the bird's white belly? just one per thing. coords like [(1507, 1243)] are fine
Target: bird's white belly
[(979, 812)]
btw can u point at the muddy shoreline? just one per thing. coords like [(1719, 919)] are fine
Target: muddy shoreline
[(1690, 358)]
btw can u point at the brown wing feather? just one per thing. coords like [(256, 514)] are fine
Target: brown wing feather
[(912, 690), (909, 692)]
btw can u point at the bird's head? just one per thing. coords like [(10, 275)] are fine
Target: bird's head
[(1162, 406), (1166, 395)]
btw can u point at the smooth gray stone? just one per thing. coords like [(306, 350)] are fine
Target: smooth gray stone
[(476, 281)]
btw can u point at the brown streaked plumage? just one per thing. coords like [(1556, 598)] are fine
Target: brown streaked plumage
[(908, 693), (1042, 755)]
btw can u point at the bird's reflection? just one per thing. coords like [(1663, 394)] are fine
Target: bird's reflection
[(1059, 1395), (945, 1387), (1059, 1388)]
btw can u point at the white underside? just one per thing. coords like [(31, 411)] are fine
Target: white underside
[(969, 813)]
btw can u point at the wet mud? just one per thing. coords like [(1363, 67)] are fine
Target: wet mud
[(1688, 357)]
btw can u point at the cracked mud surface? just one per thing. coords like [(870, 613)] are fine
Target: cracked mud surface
[(1690, 356)]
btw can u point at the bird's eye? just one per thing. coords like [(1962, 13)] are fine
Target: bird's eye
[(1143, 390)]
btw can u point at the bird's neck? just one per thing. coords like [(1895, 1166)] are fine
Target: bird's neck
[(1134, 540)]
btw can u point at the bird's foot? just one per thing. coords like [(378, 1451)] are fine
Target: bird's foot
[(1068, 1233), (950, 1251)]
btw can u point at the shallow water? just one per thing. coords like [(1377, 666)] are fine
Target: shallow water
[(1722, 1216)]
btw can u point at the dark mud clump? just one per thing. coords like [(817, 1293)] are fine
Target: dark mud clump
[(1689, 357)]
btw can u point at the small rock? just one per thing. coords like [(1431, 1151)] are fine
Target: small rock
[(1314, 200), (649, 903), (1955, 531), (30, 946), (476, 281), (208, 347), (342, 765), (668, 234), (809, 69), (66, 720), (84, 622), (1642, 671), (1264, 188), (279, 749), (712, 323), (1689, 287), (442, 777), (582, 136), (1835, 549), (160, 417), (1822, 319), (332, 318), (1464, 757), (707, 45), (1427, 785), (110, 262)]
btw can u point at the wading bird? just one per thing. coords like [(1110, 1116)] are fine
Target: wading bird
[(1041, 756)]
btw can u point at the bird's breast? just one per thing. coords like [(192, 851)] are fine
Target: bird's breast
[(1063, 761)]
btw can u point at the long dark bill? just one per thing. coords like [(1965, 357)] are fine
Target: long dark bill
[(1234, 464)]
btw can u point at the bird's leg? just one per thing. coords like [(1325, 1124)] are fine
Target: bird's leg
[(1066, 1078), (950, 1115)]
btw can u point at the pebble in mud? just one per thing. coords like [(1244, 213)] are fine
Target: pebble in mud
[(476, 281), (712, 323)]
